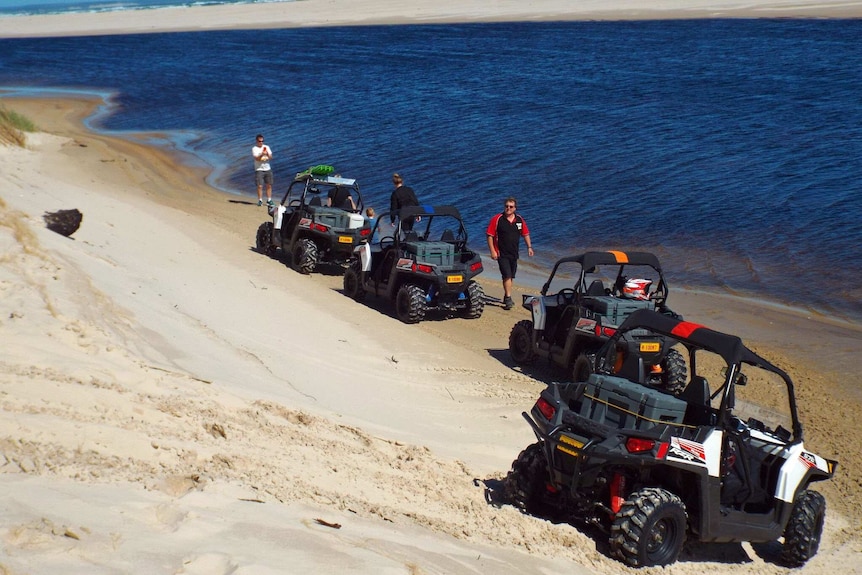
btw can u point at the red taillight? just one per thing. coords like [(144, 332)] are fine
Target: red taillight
[(545, 408), (476, 266), (319, 227), (639, 445), (424, 268), (365, 232), (617, 489), (604, 331)]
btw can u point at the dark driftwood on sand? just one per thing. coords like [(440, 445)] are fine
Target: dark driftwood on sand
[(64, 222)]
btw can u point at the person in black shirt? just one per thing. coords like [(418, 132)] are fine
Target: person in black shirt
[(504, 233), (402, 196), (339, 197)]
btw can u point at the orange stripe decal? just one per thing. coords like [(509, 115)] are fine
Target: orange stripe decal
[(622, 258), (685, 328)]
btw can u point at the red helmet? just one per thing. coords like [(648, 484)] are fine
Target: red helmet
[(637, 289)]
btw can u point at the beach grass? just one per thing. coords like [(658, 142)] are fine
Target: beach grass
[(13, 126)]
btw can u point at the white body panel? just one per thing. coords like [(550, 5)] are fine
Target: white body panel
[(537, 305), (278, 216), (364, 251)]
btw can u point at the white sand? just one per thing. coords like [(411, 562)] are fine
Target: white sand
[(363, 12)]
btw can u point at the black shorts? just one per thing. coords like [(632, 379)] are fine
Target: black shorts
[(508, 266)]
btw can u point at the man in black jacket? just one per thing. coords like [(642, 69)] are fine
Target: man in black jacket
[(402, 196)]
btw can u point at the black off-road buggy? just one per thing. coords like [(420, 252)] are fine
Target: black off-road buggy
[(722, 464), (419, 262), (581, 304), (308, 229)]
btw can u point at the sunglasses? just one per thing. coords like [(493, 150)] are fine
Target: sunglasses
[(509, 206)]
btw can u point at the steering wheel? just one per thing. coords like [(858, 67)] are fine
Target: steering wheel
[(390, 239), (565, 296)]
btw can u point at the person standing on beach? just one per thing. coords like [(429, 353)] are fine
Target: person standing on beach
[(402, 197), (262, 170), (504, 241)]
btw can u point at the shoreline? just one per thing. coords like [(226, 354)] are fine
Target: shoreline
[(532, 275), (330, 13), (166, 323)]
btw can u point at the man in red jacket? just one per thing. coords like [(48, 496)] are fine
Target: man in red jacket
[(504, 240)]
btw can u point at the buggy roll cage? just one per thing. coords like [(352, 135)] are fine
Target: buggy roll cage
[(590, 260), (695, 337), (312, 184), (427, 212)]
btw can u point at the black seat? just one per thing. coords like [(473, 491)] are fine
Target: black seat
[(411, 236), (315, 201), (447, 236), (697, 391), (596, 288), (696, 395)]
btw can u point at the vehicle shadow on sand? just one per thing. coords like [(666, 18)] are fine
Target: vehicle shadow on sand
[(323, 268), (387, 308), (692, 552), (539, 370)]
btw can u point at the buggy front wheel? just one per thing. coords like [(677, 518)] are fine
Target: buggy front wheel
[(803, 530)]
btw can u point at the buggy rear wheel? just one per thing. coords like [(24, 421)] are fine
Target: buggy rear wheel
[(526, 483), (521, 343), (674, 373), (475, 301), (582, 369), (410, 304), (353, 281), (263, 240), (305, 256), (649, 529), (803, 530)]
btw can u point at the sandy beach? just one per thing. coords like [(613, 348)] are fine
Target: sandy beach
[(172, 401), (371, 12)]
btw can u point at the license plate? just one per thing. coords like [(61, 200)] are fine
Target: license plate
[(345, 240), (454, 279), (648, 346)]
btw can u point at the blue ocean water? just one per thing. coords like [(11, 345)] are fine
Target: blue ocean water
[(731, 148)]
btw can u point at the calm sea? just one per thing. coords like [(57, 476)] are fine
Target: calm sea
[(732, 148)]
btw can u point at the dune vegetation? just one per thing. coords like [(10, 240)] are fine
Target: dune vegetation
[(13, 127)]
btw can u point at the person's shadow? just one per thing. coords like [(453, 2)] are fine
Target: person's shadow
[(243, 202)]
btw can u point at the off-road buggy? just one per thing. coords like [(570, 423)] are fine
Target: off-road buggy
[(308, 229), (650, 468), (581, 304), (419, 262)]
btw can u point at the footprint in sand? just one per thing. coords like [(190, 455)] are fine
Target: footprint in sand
[(208, 564)]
